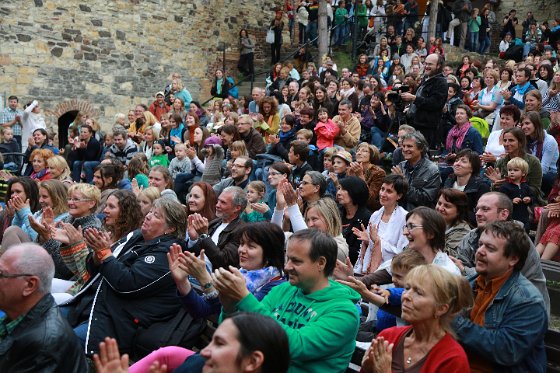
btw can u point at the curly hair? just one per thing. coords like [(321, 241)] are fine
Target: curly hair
[(130, 215)]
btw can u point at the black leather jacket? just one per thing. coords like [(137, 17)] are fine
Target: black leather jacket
[(430, 100), (42, 342)]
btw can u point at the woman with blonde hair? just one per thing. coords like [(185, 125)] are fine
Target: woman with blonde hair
[(59, 170), (431, 299), (146, 199)]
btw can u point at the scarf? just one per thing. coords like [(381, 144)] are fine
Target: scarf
[(456, 137), (284, 136), (345, 93), (538, 152), (257, 278)]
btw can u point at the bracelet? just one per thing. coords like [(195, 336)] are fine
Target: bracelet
[(207, 285), (103, 253), (211, 295)]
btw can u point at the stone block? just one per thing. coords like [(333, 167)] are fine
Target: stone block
[(105, 34), (90, 56), (38, 3), (97, 22), (23, 37), (57, 51), (85, 8), (121, 35)]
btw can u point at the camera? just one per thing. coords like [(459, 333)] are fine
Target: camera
[(395, 95)]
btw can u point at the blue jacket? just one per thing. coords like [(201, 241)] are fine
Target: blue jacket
[(520, 103), (472, 141), (514, 327)]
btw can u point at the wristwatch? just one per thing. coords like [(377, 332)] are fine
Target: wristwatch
[(203, 236)]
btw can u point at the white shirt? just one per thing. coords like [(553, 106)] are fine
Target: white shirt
[(30, 122)]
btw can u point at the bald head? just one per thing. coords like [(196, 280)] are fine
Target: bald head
[(31, 259), (433, 64)]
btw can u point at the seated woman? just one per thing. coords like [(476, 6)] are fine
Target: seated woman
[(352, 196), (515, 145), (322, 214), (280, 145), (431, 300), (453, 206), (202, 200), (465, 178), (509, 118), (106, 178), (146, 198), (383, 239), (83, 200), (461, 136), (258, 344), (40, 140), (543, 146), (365, 167), (129, 282), (160, 178), (59, 170), (38, 159), (122, 215), (533, 102), (53, 199), (261, 261), (22, 193)]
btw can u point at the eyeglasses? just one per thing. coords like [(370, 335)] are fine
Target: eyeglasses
[(6, 275), (237, 166), (74, 200), (410, 227), (274, 173), (303, 182)]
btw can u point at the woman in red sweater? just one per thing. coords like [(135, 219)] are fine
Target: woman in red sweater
[(432, 297)]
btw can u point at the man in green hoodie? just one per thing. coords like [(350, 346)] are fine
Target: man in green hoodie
[(319, 315)]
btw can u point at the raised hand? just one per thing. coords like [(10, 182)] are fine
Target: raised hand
[(361, 234), (109, 360), (230, 283), (343, 270), (178, 272), (96, 239)]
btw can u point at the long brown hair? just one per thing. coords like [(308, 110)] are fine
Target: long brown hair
[(210, 199)]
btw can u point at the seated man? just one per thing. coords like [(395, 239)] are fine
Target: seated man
[(33, 334), (505, 329), (220, 237), (491, 207), (318, 314), (241, 169)]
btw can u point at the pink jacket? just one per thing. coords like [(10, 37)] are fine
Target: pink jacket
[(326, 133)]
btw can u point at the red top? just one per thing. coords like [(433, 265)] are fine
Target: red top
[(446, 356)]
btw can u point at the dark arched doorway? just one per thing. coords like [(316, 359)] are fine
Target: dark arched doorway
[(64, 122)]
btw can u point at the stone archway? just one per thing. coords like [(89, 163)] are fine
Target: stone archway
[(59, 118)]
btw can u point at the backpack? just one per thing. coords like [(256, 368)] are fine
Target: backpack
[(481, 126)]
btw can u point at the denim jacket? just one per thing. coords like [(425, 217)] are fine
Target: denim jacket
[(515, 323)]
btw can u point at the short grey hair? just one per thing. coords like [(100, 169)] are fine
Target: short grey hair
[(346, 103), (319, 180), (418, 139), (238, 197), (175, 215), (34, 260)]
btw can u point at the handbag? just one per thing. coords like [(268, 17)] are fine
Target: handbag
[(270, 36)]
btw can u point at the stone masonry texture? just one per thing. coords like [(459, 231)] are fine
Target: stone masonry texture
[(103, 57)]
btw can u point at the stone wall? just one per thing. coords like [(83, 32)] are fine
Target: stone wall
[(106, 56)]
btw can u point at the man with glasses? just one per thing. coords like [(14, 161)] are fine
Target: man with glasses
[(253, 140), (241, 169), (34, 336), (491, 207)]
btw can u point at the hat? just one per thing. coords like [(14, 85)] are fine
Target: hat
[(344, 155), (162, 143), (396, 56), (160, 93), (213, 140)]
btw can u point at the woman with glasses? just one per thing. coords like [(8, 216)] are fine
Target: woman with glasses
[(83, 200)]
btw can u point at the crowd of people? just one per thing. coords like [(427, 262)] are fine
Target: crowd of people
[(389, 202)]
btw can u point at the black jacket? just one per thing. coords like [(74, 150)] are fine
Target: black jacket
[(223, 254), (431, 96), (134, 290), (42, 342), (92, 152)]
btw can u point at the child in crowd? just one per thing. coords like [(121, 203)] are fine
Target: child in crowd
[(379, 298), (341, 160), (327, 161), (176, 128), (213, 157), (9, 145), (107, 143), (517, 189), (326, 130), (297, 157), (255, 194), (313, 158), (159, 155), (181, 164), (137, 170)]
